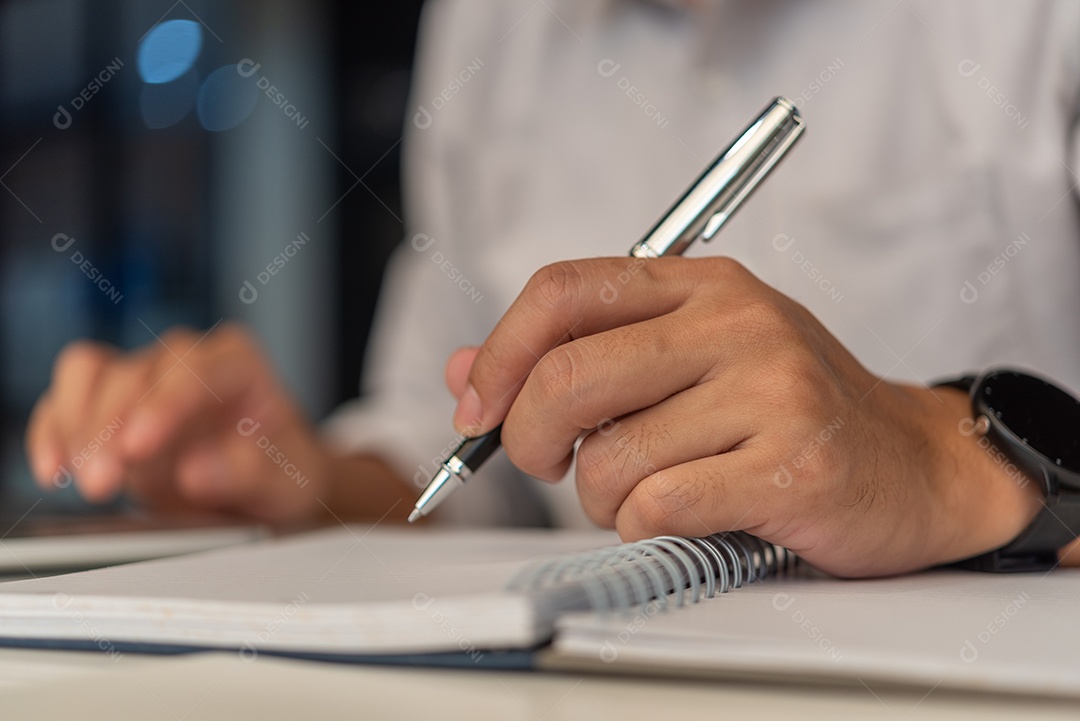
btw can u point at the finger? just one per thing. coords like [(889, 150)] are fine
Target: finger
[(76, 373), (581, 384), (701, 422), (45, 446), (76, 377), (100, 462), (562, 302), (457, 369), (709, 495), (198, 378)]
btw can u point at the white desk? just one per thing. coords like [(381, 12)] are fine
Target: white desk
[(57, 685)]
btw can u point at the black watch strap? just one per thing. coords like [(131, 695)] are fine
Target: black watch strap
[(1056, 524), (1050, 529)]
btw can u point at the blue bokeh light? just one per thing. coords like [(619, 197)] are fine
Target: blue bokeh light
[(226, 99), (169, 50)]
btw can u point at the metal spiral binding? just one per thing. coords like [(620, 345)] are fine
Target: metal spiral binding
[(688, 569)]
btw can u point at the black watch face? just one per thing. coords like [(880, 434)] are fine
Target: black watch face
[(1039, 413)]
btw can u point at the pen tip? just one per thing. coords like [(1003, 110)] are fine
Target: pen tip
[(414, 516)]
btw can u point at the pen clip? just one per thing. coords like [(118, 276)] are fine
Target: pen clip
[(729, 180), (715, 223)]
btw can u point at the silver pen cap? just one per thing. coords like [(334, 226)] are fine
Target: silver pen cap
[(721, 189)]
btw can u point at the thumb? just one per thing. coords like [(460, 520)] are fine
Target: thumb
[(457, 369)]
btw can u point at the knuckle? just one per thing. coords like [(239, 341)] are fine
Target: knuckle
[(180, 334), (561, 376), (765, 319), (727, 266), (663, 497), (762, 326), (173, 394), (80, 356), (235, 336), (178, 339), (609, 464), (237, 342), (633, 448), (556, 285)]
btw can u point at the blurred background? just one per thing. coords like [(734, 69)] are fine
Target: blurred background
[(186, 162)]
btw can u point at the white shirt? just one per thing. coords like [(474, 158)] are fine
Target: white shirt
[(928, 217)]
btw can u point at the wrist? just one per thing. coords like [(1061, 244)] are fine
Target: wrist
[(986, 501)]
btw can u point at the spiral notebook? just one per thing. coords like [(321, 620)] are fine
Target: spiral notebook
[(358, 593), (726, 606)]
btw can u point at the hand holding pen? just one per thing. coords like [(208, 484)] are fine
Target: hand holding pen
[(701, 400), (702, 210)]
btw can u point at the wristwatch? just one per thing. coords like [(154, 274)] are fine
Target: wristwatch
[(1031, 428)]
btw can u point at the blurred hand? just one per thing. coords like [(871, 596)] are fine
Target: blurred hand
[(706, 401), (189, 421)]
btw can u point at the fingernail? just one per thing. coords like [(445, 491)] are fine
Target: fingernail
[(469, 413)]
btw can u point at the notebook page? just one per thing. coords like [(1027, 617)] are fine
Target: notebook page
[(1015, 632)]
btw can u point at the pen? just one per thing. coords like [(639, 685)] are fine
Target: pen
[(701, 211)]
